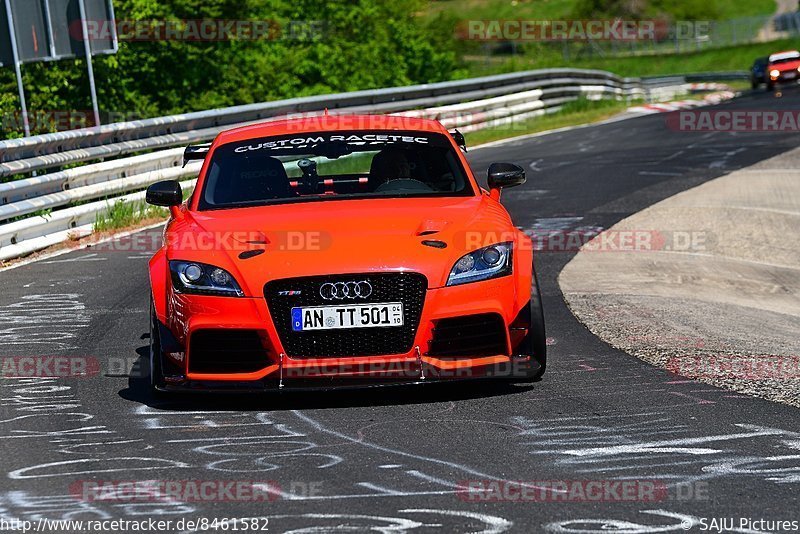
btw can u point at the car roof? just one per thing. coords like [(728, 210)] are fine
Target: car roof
[(330, 123), (789, 54)]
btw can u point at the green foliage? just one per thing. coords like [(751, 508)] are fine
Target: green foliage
[(672, 9), (121, 214), (587, 9), (365, 44)]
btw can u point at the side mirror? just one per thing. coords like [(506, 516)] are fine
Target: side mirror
[(503, 175), (167, 193)]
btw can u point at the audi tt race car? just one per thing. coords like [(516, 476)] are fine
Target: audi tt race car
[(783, 67), (341, 251)]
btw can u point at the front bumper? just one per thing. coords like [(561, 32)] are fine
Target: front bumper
[(499, 298), (786, 77)]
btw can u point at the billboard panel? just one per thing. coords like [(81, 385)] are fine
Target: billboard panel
[(51, 29), (65, 16), (30, 25), (101, 12), (6, 57)]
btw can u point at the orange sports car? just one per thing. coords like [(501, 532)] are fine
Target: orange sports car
[(341, 251)]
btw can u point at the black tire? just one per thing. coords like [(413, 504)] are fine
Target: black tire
[(770, 86), (156, 363), (535, 342), (754, 84), (537, 331)]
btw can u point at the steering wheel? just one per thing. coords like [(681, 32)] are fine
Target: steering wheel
[(404, 184)]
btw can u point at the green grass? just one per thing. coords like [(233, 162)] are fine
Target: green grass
[(502, 9), (483, 59), (733, 9), (124, 214), (733, 58), (738, 85), (581, 111)]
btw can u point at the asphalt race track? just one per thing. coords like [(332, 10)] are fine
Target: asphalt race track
[(392, 460)]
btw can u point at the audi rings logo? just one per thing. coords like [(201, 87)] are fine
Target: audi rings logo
[(345, 290)]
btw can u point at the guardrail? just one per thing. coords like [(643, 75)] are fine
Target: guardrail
[(466, 104), (45, 151), (692, 77), (436, 93)]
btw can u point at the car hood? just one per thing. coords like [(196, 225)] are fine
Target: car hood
[(340, 237)]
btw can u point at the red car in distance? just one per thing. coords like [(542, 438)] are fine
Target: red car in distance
[(783, 68)]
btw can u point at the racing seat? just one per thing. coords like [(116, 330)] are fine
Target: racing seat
[(389, 164)]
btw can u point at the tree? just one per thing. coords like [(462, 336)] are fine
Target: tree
[(342, 46)]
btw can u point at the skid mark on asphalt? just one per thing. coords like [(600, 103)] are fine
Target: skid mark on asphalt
[(423, 519), (49, 322), (635, 443), (698, 400), (248, 444), (16, 505), (361, 432), (288, 445), (79, 259), (426, 460), (26, 404)]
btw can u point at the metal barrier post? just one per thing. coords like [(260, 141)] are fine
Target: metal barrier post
[(15, 52)]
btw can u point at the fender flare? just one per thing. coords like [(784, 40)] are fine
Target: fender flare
[(158, 271), (524, 270)]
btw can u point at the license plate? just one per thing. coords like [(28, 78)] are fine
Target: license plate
[(352, 316)]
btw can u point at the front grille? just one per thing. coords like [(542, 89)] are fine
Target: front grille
[(226, 351), (408, 288), (471, 335)]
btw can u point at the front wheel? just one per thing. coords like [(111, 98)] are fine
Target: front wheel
[(535, 342), (537, 331)]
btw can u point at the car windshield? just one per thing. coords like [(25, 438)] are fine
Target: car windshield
[(775, 60), (333, 166)]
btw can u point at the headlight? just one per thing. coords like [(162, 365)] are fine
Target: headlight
[(202, 279), (483, 264), (774, 73)]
